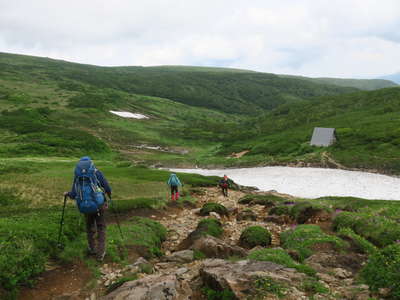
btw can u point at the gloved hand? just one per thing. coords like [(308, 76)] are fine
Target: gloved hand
[(66, 194), (108, 194)]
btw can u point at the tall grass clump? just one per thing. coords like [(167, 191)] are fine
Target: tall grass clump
[(304, 238)]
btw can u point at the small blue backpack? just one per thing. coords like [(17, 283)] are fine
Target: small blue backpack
[(89, 196)]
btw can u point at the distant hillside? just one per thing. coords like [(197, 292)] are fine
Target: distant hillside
[(367, 125), (393, 77), (362, 84), (232, 92), (200, 69)]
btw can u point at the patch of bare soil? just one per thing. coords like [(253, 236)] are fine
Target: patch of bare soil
[(69, 280)]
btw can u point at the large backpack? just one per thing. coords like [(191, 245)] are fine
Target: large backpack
[(173, 181), (89, 196)]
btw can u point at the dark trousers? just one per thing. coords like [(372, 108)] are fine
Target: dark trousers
[(95, 223), (174, 189), (174, 193), (225, 191)]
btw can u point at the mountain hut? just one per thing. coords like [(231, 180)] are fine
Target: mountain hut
[(323, 137)]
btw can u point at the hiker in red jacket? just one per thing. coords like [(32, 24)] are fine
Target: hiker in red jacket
[(224, 184)]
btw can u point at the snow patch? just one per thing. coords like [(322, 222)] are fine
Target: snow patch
[(312, 182), (126, 114)]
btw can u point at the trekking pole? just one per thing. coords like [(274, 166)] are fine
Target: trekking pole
[(61, 222), (116, 217)]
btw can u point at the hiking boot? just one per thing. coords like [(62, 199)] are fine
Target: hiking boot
[(91, 251), (100, 257)]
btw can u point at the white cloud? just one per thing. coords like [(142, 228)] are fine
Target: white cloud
[(348, 38)]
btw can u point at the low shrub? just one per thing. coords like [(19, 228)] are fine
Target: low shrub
[(281, 257), (143, 232), (212, 294), (379, 230), (23, 252), (255, 236), (313, 286), (213, 207), (266, 285), (304, 237), (303, 211), (266, 200), (382, 270), (210, 226), (361, 243), (279, 210)]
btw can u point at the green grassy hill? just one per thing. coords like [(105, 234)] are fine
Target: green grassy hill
[(361, 84), (198, 116), (227, 91), (367, 125)]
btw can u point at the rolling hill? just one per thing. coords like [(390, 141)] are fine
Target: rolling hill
[(197, 116), (367, 125), (361, 84), (227, 91), (393, 77)]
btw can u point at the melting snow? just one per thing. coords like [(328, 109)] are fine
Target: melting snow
[(126, 114), (312, 182)]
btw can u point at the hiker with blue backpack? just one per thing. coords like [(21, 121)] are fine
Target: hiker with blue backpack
[(174, 182), (88, 189)]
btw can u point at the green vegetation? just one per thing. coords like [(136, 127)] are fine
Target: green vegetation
[(255, 236), (24, 253), (312, 285), (213, 207), (304, 238), (210, 226), (279, 210), (302, 211), (31, 197), (212, 294), (361, 243), (281, 257), (148, 233), (382, 270), (366, 125), (362, 84), (198, 116), (266, 200), (378, 229), (266, 285)]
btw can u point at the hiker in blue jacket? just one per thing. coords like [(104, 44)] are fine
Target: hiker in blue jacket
[(95, 222), (174, 182)]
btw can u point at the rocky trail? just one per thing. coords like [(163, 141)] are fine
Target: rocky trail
[(181, 274)]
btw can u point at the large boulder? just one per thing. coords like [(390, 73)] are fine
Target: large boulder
[(152, 287), (214, 247), (209, 226), (184, 256), (239, 277)]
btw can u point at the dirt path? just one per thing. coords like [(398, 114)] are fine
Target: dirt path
[(77, 282)]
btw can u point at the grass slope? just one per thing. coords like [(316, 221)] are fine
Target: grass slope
[(362, 84), (233, 92), (367, 125)]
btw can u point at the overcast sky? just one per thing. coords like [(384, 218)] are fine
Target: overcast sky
[(339, 38)]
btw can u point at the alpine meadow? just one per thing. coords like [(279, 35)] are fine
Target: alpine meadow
[(53, 112)]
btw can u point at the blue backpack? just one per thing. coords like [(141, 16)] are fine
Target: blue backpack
[(89, 196), (173, 180)]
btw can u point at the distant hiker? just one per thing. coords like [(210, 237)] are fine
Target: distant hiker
[(224, 184), (174, 182), (88, 190)]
